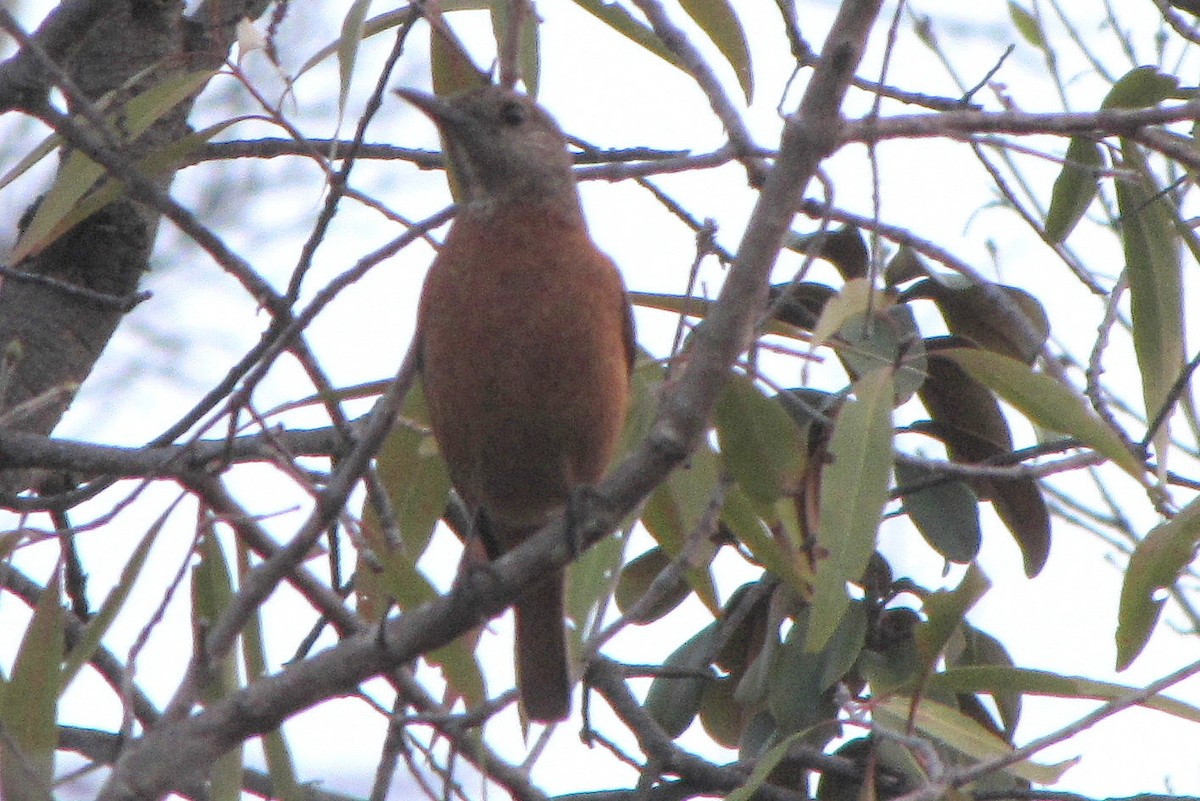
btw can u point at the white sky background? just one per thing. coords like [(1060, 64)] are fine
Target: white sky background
[(174, 347)]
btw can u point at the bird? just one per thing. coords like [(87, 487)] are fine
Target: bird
[(525, 348)]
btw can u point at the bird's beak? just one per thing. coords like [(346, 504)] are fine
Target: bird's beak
[(441, 112)]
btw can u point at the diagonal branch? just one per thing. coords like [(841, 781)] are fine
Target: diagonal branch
[(184, 747)]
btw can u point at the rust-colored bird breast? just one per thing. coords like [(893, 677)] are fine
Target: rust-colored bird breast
[(525, 361), (526, 345)]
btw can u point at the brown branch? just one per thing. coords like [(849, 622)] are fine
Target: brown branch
[(605, 677), (965, 123), (104, 748), (696, 66), (962, 777), (277, 147), (455, 728), (186, 746)]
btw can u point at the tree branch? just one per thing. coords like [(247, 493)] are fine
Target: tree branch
[(185, 747), (1117, 121)]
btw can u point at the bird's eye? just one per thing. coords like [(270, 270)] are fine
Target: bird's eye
[(513, 113)]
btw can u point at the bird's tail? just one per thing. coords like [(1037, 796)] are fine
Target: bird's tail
[(543, 679)]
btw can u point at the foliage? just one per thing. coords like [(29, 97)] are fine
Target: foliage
[(833, 383)]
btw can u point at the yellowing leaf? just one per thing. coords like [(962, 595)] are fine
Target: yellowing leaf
[(996, 679), (716, 18), (852, 301), (963, 734)]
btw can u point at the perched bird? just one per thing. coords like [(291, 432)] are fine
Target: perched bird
[(526, 345)]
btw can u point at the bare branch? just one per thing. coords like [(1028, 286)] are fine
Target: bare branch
[(959, 124)]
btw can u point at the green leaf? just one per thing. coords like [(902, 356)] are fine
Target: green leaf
[(1151, 246), (1027, 25), (843, 247), (636, 579), (885, 757), (953, 728), (674, 700), (740, 516), (968, 419), (1154, 567), (144, 109), (678, 304), (975, 648), (76, 177), (385, 22), (1046, 401), (996, 679), (763, 767), (30, 702), (965, 414), (75, 195), (414, 475), (589, 585), (904, 266), (624, 23), (456, 659), (1020, 506), (280, 765), (451, 68), (1139, 88), (946, 513), (722, 717), (1075, 188), (853, 493), (893, 662), (944, 613), (761, 445), (678, 506), (799, 677), (98, 625), (528, 56), (799, 304), (43, 149), (717, 20), (212, 591), (417, 483), (353, 29), (887, 338)]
